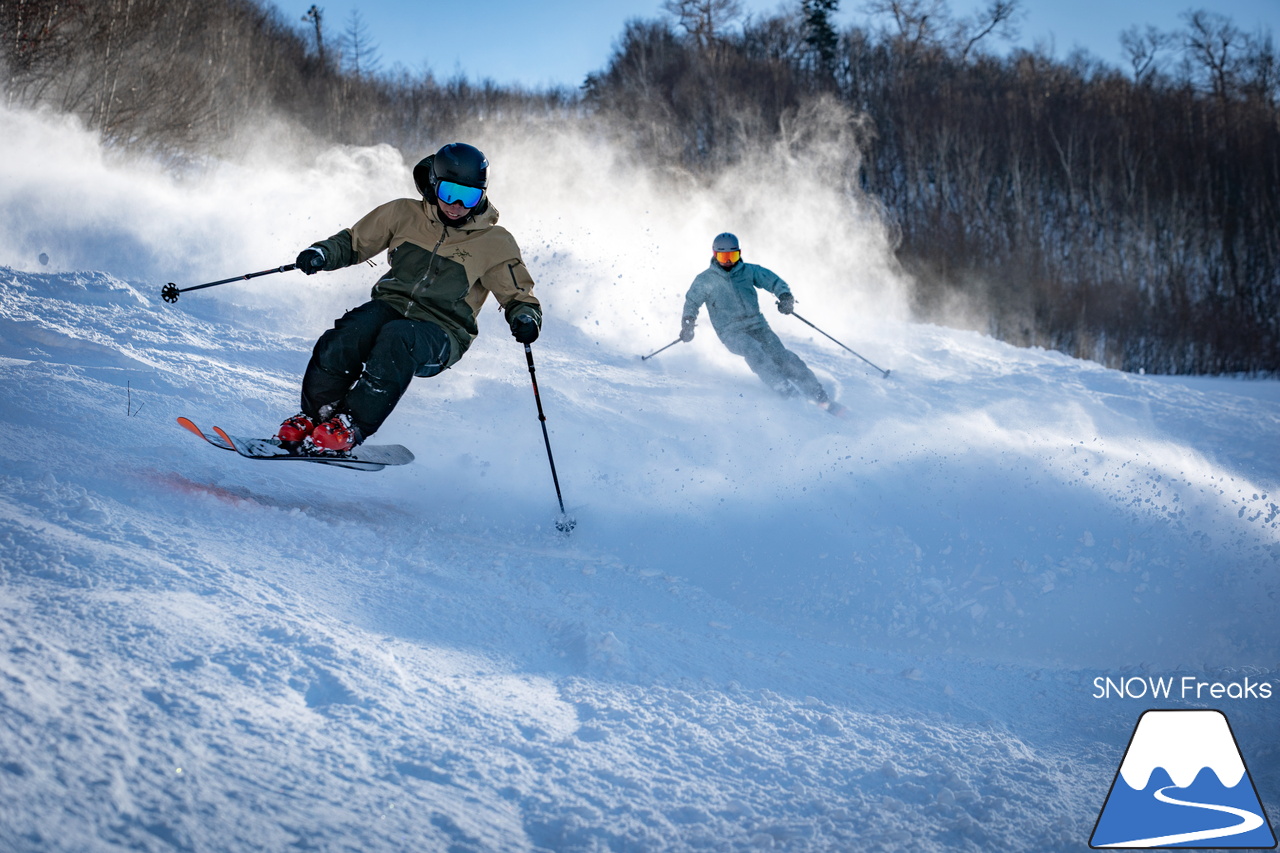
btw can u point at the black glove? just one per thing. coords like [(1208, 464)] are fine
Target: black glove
[(686, 329), (786, 303), (524, 329), (310, 260)]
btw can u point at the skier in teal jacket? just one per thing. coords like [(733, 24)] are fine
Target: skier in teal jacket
[(728, 288)]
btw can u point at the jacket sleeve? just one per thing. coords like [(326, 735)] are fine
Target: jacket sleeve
[(338, 252), (363, 240), (767, 279), (512, 286), (694, 299)]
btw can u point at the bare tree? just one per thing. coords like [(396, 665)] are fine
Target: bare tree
[(1262, 69), (927, 25), (920, 24), (359, 51), (1143, 46), (704, 20), (999, 17), (1214, 44)]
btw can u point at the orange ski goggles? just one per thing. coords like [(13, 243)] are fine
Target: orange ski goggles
[(728, 257)]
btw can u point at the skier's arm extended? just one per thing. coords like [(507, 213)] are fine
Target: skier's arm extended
[(693, 301), (368, 237), (767, 279)]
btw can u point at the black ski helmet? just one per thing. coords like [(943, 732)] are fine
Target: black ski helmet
[(725, 242), (457, 162)]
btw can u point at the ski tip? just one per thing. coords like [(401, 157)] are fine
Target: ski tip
[(187, 424), (222, 435)]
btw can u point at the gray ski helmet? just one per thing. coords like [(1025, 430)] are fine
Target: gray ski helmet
[(457, 162), (725, 242)]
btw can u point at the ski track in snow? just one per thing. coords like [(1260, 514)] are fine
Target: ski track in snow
[(771, 629)]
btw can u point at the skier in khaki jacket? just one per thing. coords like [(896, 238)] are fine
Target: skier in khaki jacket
[(728, 288), (447, 254)]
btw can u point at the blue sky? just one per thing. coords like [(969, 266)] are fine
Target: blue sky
[(558, 42)]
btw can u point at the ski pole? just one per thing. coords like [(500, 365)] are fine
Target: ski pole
[(566, 522), (819, 331), (655, 352), (169, 293)]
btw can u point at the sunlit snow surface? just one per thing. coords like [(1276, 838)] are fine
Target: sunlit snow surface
[(770, 629)]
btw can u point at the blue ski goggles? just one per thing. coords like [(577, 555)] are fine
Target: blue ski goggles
[(451, 193)]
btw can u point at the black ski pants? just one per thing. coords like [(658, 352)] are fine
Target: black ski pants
[(363, 365), (777, 366)]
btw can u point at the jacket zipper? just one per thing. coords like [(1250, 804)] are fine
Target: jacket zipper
[(431, 264), (425, 281)]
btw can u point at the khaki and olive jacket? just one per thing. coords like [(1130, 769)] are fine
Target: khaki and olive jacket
[(439, 273)]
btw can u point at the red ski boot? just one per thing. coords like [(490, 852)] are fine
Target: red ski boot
[(295, 430), (334, 437)]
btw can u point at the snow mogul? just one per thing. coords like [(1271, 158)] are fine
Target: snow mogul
[(728, 288), (447, 254)]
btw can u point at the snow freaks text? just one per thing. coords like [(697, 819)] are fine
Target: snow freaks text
[(1187, 687)]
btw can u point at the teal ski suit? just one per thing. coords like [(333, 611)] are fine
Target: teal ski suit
[(734, 308)]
